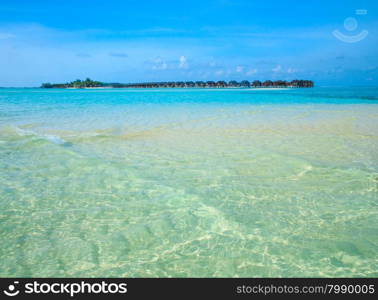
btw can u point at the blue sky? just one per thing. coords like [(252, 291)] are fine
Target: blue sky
[(133, 41)]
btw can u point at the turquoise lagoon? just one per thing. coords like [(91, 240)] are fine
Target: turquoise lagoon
[(189, 182)]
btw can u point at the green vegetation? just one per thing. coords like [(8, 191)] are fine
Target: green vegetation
[(88, 83), (79, 84)]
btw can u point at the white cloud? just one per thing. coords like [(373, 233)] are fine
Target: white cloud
[(212, 63), (183, 63), (277, 69), (239, 69), (251, 72), (291, 70), (160, 64), (219, 72)]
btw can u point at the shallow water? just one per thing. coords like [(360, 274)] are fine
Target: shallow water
[(199, 183)]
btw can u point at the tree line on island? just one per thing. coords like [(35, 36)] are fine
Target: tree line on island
[(88, 83)]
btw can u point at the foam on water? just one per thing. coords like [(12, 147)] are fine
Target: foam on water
[(49, 137), (188, 183)]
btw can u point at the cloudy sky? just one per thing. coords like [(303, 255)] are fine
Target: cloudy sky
[(332, 42)]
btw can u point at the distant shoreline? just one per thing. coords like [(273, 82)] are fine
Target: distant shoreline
[(267, 84), (178, 88)]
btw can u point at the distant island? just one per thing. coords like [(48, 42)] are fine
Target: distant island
[(88, 83)]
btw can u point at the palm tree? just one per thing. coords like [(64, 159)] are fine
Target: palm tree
[(256, 83), (279, 83), (221, 83), (267, 83), (301, 83), (245, 83), (233, 83), (210, 83)]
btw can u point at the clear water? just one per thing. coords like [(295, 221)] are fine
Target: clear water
[(189, 183)]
